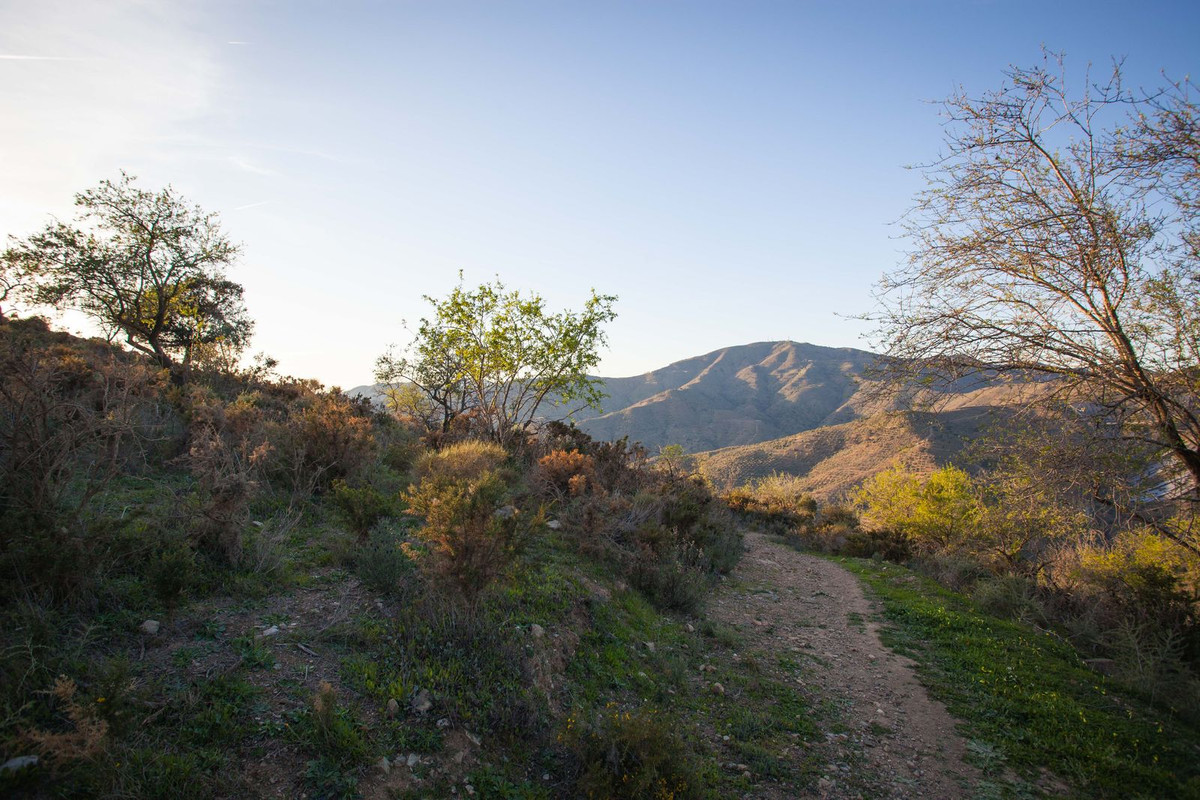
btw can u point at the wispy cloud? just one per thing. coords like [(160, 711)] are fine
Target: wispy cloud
[(248, 166), (14, 57), (251, 205), (237, 42)]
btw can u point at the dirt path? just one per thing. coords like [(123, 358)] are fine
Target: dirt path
[(883, 735)]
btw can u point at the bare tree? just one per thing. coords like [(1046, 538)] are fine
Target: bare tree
[(1058, 237)]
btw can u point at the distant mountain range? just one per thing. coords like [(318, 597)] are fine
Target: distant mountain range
[(818, 412)]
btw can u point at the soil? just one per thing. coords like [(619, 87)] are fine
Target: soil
[(882, 735)]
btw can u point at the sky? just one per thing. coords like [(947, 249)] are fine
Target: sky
[(733, 171)]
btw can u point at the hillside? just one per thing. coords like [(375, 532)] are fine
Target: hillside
[(835, 458), (734, 396)]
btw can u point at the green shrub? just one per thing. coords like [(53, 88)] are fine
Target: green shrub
[(633, 755), (362, 507), (673, 576), (384, 564)]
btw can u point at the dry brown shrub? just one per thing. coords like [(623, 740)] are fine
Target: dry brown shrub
[(227, 451), (565, 472), (321, 438), (86, 740)]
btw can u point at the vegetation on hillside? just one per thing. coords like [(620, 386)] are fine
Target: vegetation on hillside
[(240, 583)]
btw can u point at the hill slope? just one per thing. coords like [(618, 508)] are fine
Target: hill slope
[(734, 396)]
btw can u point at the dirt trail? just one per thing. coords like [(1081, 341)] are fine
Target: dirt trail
[(883, 735)]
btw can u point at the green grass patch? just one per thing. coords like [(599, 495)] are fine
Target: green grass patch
[(1026, 698)]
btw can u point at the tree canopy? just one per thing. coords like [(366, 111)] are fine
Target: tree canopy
[(144, 265), (1058, 237), (501, 355)]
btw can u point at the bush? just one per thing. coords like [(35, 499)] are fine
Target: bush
[(361, 507), (462, 461), (1010, 597), (564, 472), (632, 755), (384, 563), (318, 438), (671, 574), (470, 539)]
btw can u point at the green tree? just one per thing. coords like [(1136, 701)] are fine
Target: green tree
[(145, 266), (1057, 238), (938, 513), (503, 355)]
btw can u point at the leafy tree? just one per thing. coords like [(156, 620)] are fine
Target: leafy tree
[(1058, 238), (501, 355), (938, 513), (144, 265)]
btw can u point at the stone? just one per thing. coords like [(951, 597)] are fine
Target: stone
[(473, 739), (421, 702), (412, 760), (537, 630), (716, 688), (554, 525), (271, 631), (506, 512), (393, 707), (443, 723), (649, 646), (690, 628), (150, 627), (20, 762), (384, 765)]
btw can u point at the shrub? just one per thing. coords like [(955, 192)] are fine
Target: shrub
[(384, 563), (936, 513), (672, 575), (471, 540), (319, 438), (1009, 597), (564, 472), (227, 451), (462, 461), (632, 755), (361, 507)]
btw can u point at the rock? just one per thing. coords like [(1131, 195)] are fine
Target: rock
[(384, 765), (150, 627), (473, 739), (271, 631), (537, 630), (554, 525), (746, 774), (443, 723), (470, 789), (506, 512), (421, 702), (649, 646), (690, 628), (20, 762), (393, 707), (412, 760), (716, 688)]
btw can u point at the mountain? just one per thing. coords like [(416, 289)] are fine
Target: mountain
[(733, 396), (817, 412)]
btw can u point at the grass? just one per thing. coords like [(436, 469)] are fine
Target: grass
[(1027, 701)]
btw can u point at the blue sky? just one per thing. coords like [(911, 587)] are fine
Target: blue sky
[(731, 170)]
